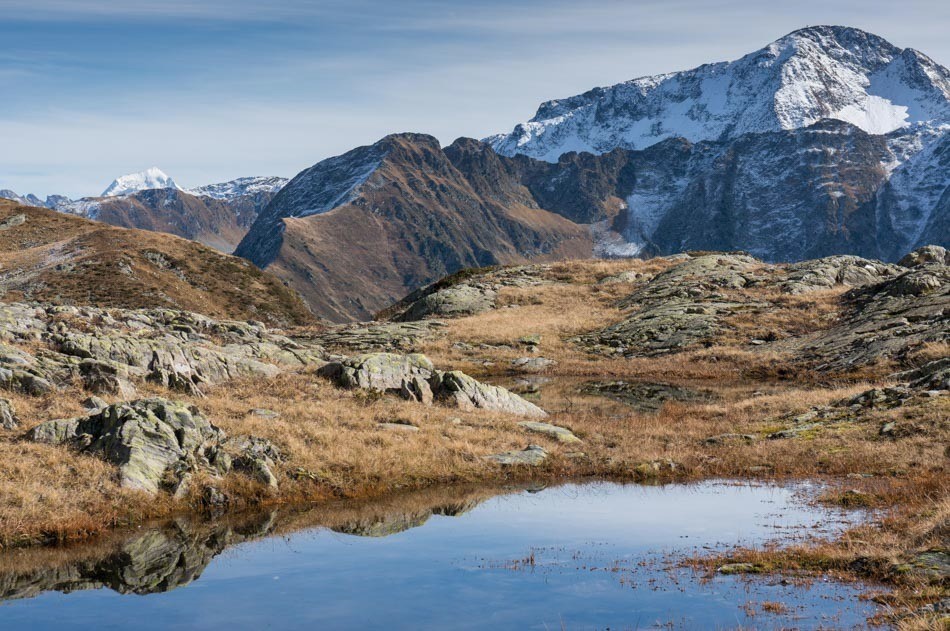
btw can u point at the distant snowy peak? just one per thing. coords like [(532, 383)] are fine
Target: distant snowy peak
[(241, 187), (822, 72), (143, 180)]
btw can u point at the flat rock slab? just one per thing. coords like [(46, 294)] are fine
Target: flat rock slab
[(532, 455), (560, 434)]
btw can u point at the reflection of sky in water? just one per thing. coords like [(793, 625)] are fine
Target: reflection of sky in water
[(454, 572)]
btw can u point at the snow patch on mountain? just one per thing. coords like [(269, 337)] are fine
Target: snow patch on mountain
[(151, 178), (809, 75), (240, 187), (331, 183)]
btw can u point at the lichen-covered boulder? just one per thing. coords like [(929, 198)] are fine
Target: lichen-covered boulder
[(926, 254), (470, 394), (460, 300), (379, 372), (148, 439), (413, 377)]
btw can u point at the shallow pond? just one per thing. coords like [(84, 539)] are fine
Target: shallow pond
[(590, 556)]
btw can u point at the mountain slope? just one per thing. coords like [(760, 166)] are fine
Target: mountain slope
[(218, 215), (355, 232), (54, 257)]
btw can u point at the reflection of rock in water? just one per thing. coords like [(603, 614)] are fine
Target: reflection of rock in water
[(161, 559), (383, 526), (645, 397), (392, 523), (156, 561)]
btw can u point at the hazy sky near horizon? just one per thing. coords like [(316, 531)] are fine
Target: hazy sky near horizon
[(217, 89)]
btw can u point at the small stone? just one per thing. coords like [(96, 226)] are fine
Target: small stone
[(93, 403), (532, 455), (399, 427), (534, 339), (8, 418), (264, 413), (740, 568), (532, 364), (560, 434)]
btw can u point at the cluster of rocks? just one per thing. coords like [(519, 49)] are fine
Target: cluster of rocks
[(681, 306), (414, 378), (643, 396), (364, 337), (109, 350), (929, 381), (160, 445), (466, 293), (890, 310), (886, 320)]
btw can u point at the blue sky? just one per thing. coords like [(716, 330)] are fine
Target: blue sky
[(216, 89)]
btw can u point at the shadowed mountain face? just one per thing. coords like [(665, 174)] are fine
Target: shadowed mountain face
[(218, 223), (356, 232), (47, 256)]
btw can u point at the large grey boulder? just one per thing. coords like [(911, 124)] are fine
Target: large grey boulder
[(470, 394), (831, 271), (926, 254), (379, 372), (413, 377), (150, 440)]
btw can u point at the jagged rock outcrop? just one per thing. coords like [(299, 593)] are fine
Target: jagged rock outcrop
[(885, 321), (109, 350), (414, 377), (890, 310), (158, 444), (149, 440)]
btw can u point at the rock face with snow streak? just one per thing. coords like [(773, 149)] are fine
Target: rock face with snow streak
[(821, 72), (830, 138)]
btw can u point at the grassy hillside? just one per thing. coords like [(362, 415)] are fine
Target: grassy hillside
[(48, 256)]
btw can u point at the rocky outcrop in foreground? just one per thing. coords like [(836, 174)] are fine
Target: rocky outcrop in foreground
[(890, 310), (413, 377), (109, 350), (159, 444)]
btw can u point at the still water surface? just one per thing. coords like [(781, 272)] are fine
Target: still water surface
[(590, 556)]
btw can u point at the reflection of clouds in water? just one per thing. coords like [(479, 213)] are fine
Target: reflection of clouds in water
[(449, 559)]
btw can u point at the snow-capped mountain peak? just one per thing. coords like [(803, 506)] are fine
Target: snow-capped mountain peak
[(821, 72), (240, 187), (143, 180)]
